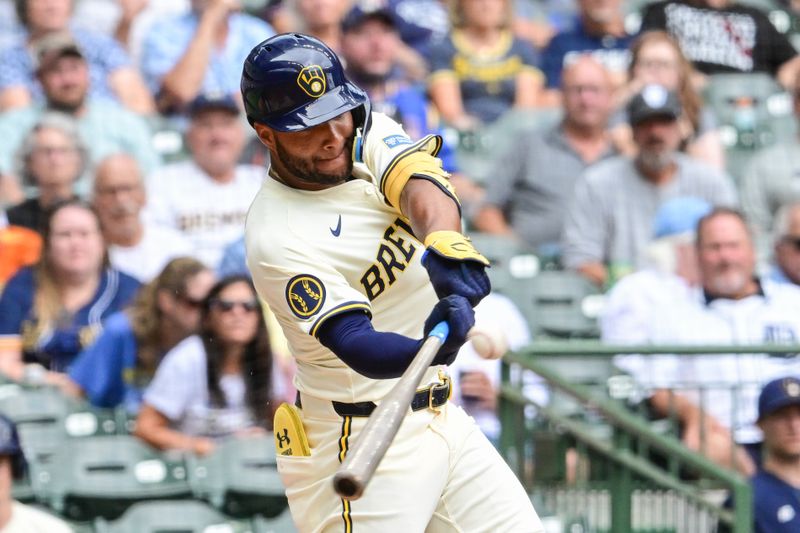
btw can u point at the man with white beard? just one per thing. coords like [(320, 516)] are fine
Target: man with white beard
[(608, 223), (716, 395), (135, 247)]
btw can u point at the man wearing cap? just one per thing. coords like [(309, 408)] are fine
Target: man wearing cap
[(113, 75), (105, 126), (206, 197), (374, 59), (609, 220), (16, 517), (776, 505)]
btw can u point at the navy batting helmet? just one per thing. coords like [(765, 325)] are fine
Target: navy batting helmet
[(11, 447), (292, 82)]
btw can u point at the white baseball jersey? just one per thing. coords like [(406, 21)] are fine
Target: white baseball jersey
[(208, 213), (314, 254), (336, 250), (731, 382)]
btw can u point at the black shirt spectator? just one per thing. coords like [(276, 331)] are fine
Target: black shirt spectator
[(727, 38)]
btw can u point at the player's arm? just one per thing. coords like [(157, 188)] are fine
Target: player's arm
[(413, 181), (385, 355), (453, 264)]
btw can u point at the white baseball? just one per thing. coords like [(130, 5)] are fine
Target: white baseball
[(489, 343)]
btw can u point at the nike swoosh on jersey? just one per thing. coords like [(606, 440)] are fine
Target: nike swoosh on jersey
[(338, 230)]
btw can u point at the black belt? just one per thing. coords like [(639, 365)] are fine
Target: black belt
[(429, 397)]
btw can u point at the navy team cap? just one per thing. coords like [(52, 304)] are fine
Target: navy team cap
[(778, 394)]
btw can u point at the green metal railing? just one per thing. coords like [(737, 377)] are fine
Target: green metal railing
[(621, 442)]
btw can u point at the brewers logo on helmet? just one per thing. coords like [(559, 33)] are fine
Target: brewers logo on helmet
[(292, 82)]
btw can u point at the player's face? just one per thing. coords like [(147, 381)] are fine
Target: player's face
[(76, 246), (726, 256), (54, 163), (782, 433), (318, 157), (216, 140), (787, 249), (234, 314), (118, 192), (48, 15), (66, 83), (370, 50)]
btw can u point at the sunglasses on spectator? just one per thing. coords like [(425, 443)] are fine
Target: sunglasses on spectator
[(794, 241), (226, 306)]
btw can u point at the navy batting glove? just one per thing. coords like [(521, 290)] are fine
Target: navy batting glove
[(457, 312), (452, 276)]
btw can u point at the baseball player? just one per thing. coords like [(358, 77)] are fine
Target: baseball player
[(354, 242)]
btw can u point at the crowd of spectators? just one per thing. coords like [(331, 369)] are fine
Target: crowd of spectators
[(110, 244)]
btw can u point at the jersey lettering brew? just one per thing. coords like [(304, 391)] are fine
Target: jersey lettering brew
[(316, 254)]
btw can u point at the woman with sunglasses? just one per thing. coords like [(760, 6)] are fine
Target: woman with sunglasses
[(117, 367), (214, 384)]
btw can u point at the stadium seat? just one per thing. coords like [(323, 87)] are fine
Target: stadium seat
[(103, 476), (511, 260), (478, 152), (753, 112), (559, 304), (178, 516), (280, 524), (39, 414), (240, 477)]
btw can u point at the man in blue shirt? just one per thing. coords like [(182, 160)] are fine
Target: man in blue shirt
[(776, 488), (600, 32)]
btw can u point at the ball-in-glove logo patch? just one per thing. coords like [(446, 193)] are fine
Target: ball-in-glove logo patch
[(312, 80), (305, 295)]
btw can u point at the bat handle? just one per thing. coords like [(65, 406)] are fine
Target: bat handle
[(440, 331)]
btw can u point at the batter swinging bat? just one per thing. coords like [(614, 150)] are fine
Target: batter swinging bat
[(384, 422)]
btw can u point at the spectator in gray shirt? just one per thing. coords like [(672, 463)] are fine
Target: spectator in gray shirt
[(536, 175), (608, 222), (771, 180)]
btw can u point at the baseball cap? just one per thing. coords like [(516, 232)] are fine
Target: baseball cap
[(362, 12), (679, 215), (220, 101), (777, 394), (654, 101), (50, 48)]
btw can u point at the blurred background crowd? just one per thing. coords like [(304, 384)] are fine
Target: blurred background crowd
[(646, 152)]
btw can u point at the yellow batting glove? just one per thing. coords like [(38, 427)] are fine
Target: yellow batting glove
[(454, 245)]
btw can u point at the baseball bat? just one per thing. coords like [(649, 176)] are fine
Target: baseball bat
[(361, 461)]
